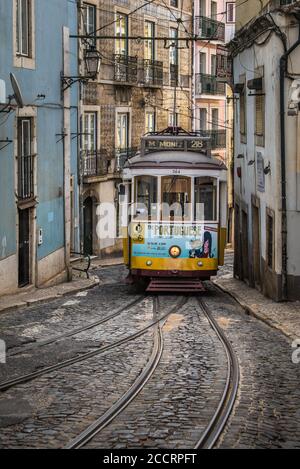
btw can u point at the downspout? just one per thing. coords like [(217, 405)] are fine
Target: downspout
[(283, 72)]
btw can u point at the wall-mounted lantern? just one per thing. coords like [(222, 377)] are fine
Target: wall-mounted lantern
[(92, 60)]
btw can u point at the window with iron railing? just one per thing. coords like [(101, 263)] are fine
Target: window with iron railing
[(89, 22), (174, 57), (25, 160), (208, 84), (94, 163), (208, 28), (23, 27), (125, 68)]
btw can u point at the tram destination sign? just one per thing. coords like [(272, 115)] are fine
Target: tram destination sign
[(196, 144)]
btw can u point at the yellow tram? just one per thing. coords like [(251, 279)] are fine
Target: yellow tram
[(174, 201)]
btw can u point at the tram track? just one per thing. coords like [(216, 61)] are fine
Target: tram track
[(59, 337), (89, 433), (218, 421), (77, 359)]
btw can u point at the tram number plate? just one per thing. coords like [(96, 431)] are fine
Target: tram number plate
[(176, 171)]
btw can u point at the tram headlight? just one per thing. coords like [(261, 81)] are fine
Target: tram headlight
[(148, 263), (200, 264), (174, 251)]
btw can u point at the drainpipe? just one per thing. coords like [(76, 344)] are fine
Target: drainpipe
[(283, 73)]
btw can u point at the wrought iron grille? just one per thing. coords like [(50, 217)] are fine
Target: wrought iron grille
[(125, 68)]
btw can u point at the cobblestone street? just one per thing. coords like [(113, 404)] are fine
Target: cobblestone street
[(176, 404)]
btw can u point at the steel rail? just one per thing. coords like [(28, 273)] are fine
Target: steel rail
[(30, 376), (217, 424), (90, 432), (91, 325)]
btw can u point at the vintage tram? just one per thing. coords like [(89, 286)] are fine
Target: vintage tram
[(174, 205)]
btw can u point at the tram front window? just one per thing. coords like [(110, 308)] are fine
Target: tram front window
[(146, 197), (176, 198), (205, 199)]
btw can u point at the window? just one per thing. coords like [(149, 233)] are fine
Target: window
[(270, 241), (173, 119), (149, 49), (89, 131), (214, 10), (23, 27), (203, 119), (243, 123), (174, 3), (121, 44), (174, 47), (214, 119), (150, 122), (25, 159), (176, 197), (213, 66), (202, 62), (230, 12), (205, 199), (146, 197), (202, 8), (89, 22), (122, 130), (259, 117)]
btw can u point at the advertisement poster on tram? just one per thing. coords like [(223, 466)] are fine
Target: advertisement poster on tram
[(194, 241)]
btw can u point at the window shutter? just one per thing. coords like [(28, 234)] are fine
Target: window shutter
[(259, 114), (242, 113)]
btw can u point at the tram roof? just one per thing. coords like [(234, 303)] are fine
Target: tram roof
[(175, 159)]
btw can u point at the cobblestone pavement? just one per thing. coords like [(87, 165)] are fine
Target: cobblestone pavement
[(283, 316), (177, 402)]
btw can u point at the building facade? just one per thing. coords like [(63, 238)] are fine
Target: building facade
[(144, 85), (267, 185), (39, 209)]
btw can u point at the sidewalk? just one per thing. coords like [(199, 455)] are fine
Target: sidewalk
[(31, 295), (282, 316)]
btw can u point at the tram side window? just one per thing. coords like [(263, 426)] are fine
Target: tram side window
[(205, 199), (176, 198), (146, 197)]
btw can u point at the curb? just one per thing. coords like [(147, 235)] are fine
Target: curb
[(31, 302), (249, 311)]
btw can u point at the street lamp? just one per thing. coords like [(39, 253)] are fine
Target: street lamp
[(92, 60)]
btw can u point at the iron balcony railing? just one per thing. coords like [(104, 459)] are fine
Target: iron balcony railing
[(208, 84), (152, 72), (287, 2), (125, 68), (174, 75), (217, 137), (207, 28), (25, 177), (122, 155), (94, 163)]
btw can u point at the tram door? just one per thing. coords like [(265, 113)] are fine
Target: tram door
[(88, 226)]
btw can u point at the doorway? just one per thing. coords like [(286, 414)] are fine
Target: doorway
[(88, 226), (24, 247), (256, 245), (245, 266)]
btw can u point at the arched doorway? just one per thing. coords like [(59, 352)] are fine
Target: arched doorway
[(88, 226)]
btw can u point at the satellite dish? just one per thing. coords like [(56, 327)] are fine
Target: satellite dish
[(17, 92)]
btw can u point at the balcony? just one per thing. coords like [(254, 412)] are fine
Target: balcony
[(173, 75), (208, 84), (287, 2), (152, 73), (25, 177), (122, 155), (125, 69), (94, 163), (206, 28), (217, 137)]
